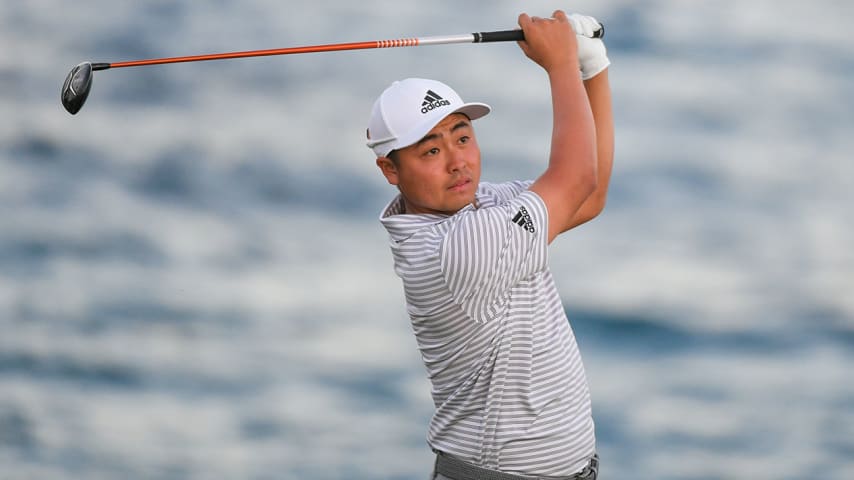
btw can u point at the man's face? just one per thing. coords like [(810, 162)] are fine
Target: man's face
[(441, 172)]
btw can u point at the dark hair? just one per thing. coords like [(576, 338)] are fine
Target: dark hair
[(392, 155)]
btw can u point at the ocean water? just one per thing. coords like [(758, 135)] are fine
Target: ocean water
[(193, 283)]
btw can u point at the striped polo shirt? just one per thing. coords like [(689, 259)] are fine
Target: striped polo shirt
[(507, 378)]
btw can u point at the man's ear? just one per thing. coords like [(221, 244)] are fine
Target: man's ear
[(388, 168)]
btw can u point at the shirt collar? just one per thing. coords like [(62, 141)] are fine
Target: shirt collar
[(401, 226)]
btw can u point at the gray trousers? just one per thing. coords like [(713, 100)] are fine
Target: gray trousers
[(439, 476), (464, 471)]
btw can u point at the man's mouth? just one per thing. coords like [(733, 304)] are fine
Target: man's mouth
[(460, 184)]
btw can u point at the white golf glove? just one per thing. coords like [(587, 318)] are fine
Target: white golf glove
[(592, 56)]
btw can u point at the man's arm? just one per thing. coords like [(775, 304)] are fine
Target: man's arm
[(571, 175), (599, 94)]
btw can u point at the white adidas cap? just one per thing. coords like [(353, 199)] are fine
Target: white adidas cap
[(408, 109)]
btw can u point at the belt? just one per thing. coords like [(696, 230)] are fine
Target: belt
[(459, 470)]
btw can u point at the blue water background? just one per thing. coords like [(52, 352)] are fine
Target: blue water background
[(193, 283)]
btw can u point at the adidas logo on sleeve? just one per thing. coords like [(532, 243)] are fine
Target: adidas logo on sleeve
[(523, 219)]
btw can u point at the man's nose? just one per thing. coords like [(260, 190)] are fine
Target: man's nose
[(456, 160)]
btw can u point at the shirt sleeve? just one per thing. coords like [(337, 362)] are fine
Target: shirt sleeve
[(489, 250), (507, 191)]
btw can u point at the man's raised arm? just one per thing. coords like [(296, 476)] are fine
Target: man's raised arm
[(571, 175)]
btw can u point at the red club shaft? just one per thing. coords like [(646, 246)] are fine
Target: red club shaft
[(404, 42)]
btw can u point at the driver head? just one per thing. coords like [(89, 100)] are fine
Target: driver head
[(76, 87)]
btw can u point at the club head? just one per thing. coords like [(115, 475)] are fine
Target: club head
[(76, 87)]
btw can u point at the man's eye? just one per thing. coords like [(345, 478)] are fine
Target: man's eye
[(433, 151), (465, 139)]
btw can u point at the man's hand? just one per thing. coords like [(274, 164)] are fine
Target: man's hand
[(592, 56), (549, 41)]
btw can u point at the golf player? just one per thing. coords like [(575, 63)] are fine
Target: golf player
[(510, 393)]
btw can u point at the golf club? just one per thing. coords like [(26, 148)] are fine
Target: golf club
[(77, 84)]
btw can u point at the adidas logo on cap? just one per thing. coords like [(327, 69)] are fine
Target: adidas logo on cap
[(433, 100)]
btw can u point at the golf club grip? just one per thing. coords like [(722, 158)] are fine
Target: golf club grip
[(517, 35), (500, 36)]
